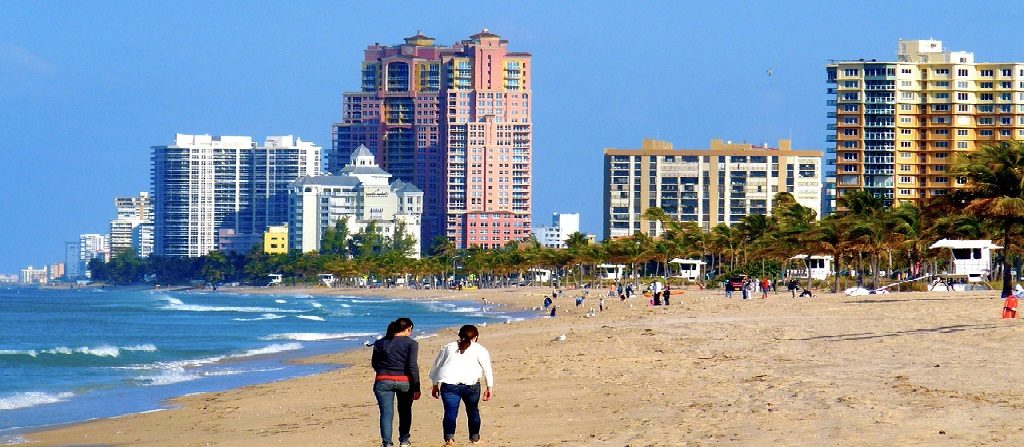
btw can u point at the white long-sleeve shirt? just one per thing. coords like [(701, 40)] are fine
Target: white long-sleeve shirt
[(465, 368)]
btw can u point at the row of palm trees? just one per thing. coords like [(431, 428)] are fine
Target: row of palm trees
[(865, 234)]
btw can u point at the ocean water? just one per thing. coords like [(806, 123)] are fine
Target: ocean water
[(73, 355)]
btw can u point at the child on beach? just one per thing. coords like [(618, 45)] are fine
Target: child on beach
[(456, 376)]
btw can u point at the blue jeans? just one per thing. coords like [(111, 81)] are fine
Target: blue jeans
[(451, 396), (386, 391)]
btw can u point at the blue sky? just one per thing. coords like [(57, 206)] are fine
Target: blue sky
[(87, 87)]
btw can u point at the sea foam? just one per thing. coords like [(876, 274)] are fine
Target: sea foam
[(314, 336), (31, 399)]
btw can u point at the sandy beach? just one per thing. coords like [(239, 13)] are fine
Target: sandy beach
[(919, 368)]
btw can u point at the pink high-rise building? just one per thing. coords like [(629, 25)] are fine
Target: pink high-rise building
[(454, 121)]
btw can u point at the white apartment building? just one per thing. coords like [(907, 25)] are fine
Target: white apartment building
[(92, 246), (361, 192), (722, 184), (32, 275), (203, 184), (133, 227), (562, 225)]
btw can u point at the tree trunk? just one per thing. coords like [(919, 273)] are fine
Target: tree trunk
[(1006, 258)]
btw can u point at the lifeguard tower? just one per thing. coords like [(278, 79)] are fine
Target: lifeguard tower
[(611, 272), (817, 267), (971, 259), (688, 269)]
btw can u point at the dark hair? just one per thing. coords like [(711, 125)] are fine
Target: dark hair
[(466, 335), (397, 326)]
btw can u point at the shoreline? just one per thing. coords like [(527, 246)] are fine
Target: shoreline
[(910, 368), (323, 357)]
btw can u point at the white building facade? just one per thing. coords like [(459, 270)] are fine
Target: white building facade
[(32, 275), (92, 246), (361, 193), (203, 184), (562, 225), (133, 227)]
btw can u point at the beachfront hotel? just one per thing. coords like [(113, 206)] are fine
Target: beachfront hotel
[(707, 186), (898, 124), (204, 184), (361, 193), (456, 122), (133, 226)]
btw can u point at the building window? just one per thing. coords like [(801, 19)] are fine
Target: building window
[(961, 145), (906, 179), (986, 73), (960, 72)]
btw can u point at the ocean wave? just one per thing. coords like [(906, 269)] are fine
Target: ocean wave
[(302, 295), (99, 351), (168, 373), (280, 301), (310, 317), (31, 399), (271, 349), (202, 308), (261, 317), (315, 336)]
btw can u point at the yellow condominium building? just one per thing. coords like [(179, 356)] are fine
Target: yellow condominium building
[(708, 186), (898, 125), (275, 240)]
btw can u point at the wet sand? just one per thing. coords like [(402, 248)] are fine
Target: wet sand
[(921, 368)]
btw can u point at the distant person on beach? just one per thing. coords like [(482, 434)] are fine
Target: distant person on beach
[(629, 290), (792, 286), (398, 376), (806, 293), (456, 376), (553, 310), (547, 302), (667, 294), (600, 304), (765, 285), (728, 289)]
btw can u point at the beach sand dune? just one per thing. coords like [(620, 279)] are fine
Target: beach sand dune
[(897, 369)]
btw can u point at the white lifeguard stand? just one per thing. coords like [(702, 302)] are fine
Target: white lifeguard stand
[(818, 267), (539, 275), (327, 279), (275, 278), (972, 258), (611, 272), (688, 269)]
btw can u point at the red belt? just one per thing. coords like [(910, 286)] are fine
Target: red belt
[(395, 378)]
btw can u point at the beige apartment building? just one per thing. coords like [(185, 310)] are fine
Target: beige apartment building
[(899, 125), (721, 184)]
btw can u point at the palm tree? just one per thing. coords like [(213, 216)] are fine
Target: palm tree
[(995, 175)]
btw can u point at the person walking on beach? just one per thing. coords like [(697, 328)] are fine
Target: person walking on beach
[(456, 377), (792, 286), (765, 285), (667, 294), (394, 360)]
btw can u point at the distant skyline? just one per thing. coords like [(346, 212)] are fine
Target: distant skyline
[(87, 88)]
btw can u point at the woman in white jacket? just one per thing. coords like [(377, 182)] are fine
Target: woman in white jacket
[(456, 375)]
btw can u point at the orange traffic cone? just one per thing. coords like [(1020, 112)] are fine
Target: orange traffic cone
[(1010, 307)]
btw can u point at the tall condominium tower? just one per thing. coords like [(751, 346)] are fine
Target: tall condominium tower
[(898, 124), (203, 184), (455, 122), (133, 227), (707, 186)]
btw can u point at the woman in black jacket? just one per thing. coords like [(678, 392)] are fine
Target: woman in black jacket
[(397, 376)]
